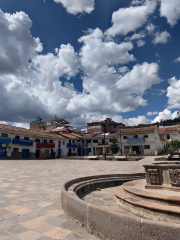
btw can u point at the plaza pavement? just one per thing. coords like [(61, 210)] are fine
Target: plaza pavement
[(30, 193)]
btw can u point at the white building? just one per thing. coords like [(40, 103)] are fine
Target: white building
[(145, 140), (18, 142)]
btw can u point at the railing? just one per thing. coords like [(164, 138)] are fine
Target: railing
[(129, 140), (45, 145), (5, 140), (99, 144), (22, 142), (70, 145)]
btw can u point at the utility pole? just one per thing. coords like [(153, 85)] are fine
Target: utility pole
[(104, 124), (120, 141)]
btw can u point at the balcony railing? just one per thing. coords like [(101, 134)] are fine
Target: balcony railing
[(5, 140), (45, 145), (99, 144), (70, 145), (22, 142), (129, 140)]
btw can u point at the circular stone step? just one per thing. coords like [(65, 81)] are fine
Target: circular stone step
[(159, 205)]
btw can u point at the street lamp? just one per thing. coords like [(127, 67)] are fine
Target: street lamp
[(104, 124), (120, 141)]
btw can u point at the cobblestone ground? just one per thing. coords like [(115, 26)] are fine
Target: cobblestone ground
[(30, 193)]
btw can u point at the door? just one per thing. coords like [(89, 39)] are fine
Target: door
[(2, 152), (37, 153), (69, 150), (83, 152), (59, 152), (25, 153), (94, 151), (79, 151), (52, 153)]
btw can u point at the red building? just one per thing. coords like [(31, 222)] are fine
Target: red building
[(106, 124)]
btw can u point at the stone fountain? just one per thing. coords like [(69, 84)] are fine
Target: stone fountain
[(157, 197)]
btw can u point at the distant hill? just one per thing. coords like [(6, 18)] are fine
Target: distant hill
[(168, 122)]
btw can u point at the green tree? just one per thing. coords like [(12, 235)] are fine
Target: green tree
[(114, 147), (98, 152), (174, 145), (126, 151)]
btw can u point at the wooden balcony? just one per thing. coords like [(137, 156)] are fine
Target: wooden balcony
[(45, 145)]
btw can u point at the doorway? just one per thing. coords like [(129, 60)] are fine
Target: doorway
[(2, 152), (25, 153), (37, 153), (136, 149)]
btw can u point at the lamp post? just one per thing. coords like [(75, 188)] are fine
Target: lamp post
[(104, 124), (120, 141)]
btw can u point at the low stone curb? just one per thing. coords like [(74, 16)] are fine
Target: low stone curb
[(111, 225)]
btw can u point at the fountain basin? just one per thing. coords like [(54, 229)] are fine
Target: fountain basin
[(163, 175)]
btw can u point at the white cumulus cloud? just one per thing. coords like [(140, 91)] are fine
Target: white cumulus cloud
[(161, 37), (177, 60), (126, 20), (151, 113), (131, 121), (171, 10), (173, 93), (150, 28), (77, 6), (140, 43), (166, 114)]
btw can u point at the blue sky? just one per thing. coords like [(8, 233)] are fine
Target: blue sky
[(90, 59)]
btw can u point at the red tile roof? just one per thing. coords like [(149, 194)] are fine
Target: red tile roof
[(137, 130), (68, 135), (28, 131), (169, 129)]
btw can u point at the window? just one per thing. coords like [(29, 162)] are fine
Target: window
[(4, 135), (46, 151), (17, 137), (124, 137), (63, 142), (37, 140), (73, 149), (145, 136), (26, 138), (146, 146), (73, 141), (126, 147), (15, 149), (50, 141), (45, 141), (135, 136), (95, 141)]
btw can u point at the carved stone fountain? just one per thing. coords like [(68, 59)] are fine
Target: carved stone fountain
[(163, 175)]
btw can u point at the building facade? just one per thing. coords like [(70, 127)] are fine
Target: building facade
[(101, 126)]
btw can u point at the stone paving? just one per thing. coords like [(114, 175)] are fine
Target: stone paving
[(30, 193)]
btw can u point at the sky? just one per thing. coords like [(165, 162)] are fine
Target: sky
[(86, 60)]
